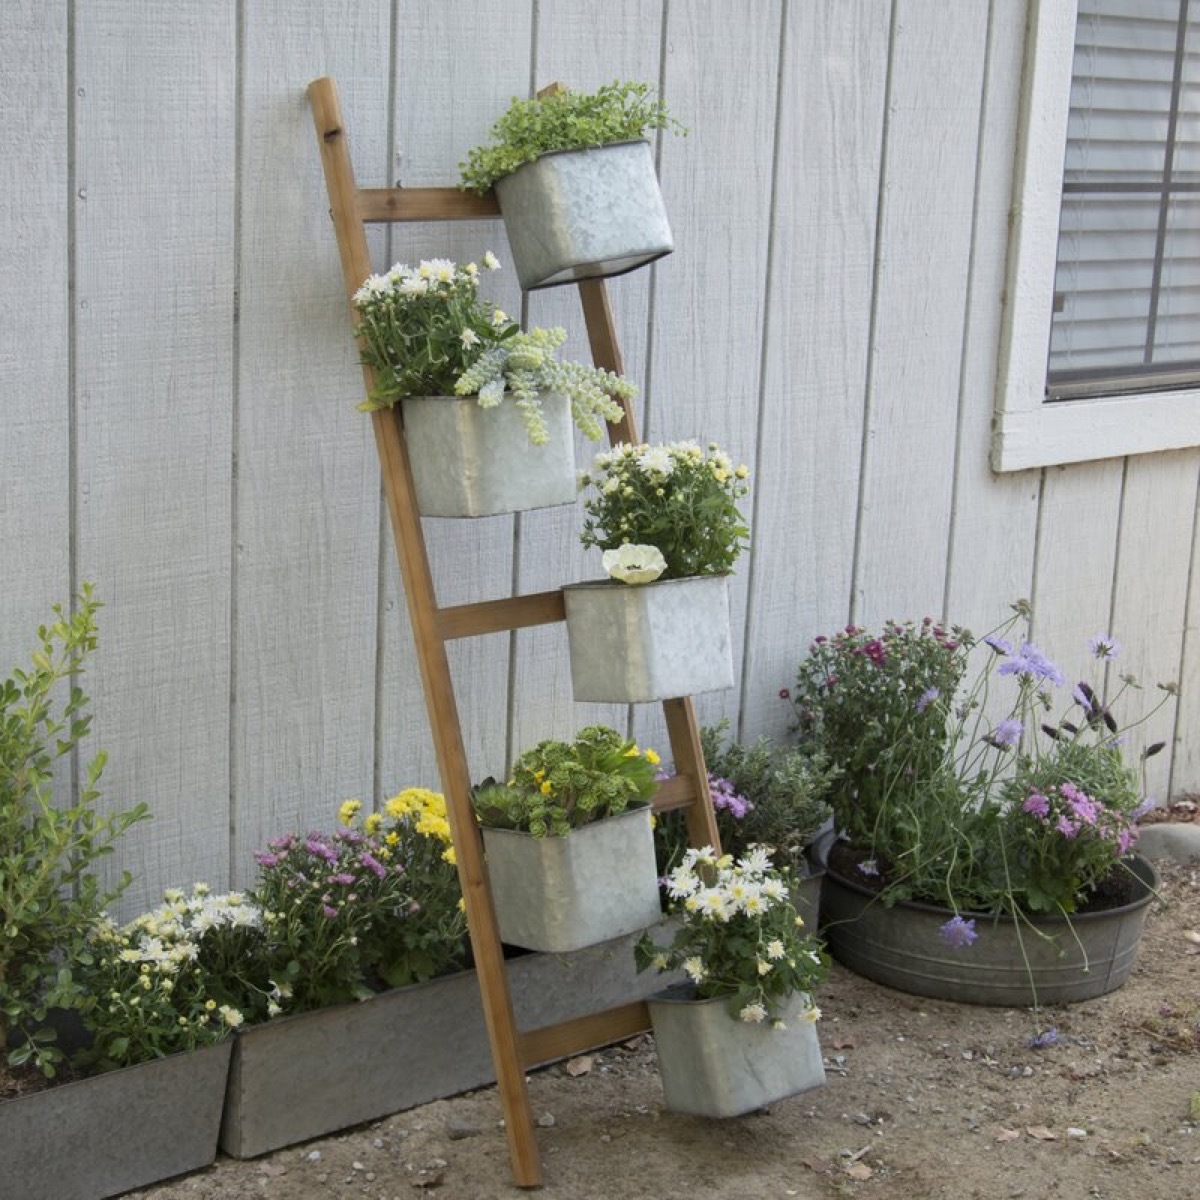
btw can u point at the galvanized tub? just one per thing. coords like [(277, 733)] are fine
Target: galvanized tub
[(713, 1065), (108, 1134), (304, 1076), (902, 948), (653, 641), (584, 214), (469, 461), (563, 893)]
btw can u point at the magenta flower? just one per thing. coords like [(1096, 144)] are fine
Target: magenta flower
[(1037, 804), (1066, 827), (343, 877), (959, 933), (329, 911), (372, 864)]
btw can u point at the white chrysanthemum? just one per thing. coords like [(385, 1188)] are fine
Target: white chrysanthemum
[(681, 882), (773, 889), (812, 1014), (757, 860), (634, 564), (414, 285), (491, 261), (660, 962), (656, 460), (469, 338), (231, 1016), (775, 949), (753, 1014), (764, 967), (499, 317), (694, 967), (754, 905)]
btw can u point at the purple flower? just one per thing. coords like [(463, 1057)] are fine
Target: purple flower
[(1081, 698), (869, 867), (1066, 826), (959, 933), (1030, 661), (1147, 805), (724, 797), (928, 696), (1126, 839), (1044, 1040), (329, 911), (1007, 732), (318, 849), (1080, 803), (267, 860), (372, 864), (1001, 645), (1104, 646), (343, 877), (1037, 804)]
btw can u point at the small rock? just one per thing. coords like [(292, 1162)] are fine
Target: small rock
[(547, 1121), (1073, 1131), (378, 1143), (458, 1128), (357, 1166), (314, 1156)]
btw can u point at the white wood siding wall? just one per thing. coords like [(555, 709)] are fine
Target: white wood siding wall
[(179, 385)]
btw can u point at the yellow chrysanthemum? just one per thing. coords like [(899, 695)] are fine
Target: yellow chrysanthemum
[(372, 823), (348, 811), (652, 758)]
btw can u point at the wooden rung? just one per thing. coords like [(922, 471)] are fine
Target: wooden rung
[(584, 1033), (493, 616), (375, 205), (676, 792)]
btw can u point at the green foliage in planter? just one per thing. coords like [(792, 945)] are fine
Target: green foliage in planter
[(49, 896), (559, 786), (565, 120)]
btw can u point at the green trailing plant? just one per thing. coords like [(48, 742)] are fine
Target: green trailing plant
[(564, 120), (560, 786), (50, 896), (425, 332), (738, 935), (666, 512)]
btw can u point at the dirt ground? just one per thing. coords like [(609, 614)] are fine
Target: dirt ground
[(924, 1100)]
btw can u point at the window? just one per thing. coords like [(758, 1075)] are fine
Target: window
[(1101, 344)]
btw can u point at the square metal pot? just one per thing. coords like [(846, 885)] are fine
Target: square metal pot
[(563, 893), (713, 1065), (584, 214), (110, 1133), (469, 461), (652, 641)]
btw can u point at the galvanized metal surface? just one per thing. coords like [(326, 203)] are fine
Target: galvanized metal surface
[(584, 214), (469, 461), (304, 1076), (563, 893), (806, 896), (902, 948), (713, 1065), (102, 1136), (649, 642)]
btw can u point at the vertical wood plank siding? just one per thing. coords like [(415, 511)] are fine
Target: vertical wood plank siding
[(179, 384)]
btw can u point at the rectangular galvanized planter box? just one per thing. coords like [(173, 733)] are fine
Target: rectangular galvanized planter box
[(713, 1065), (469, 461), (102, 1136), (563, 893), (584, 214), (304, 1076), (651, 641)]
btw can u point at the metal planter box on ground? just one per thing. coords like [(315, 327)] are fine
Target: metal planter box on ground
[(584, 214), (304, 1076), (108, 1134), (563, 893), (651, 641), (713, 1065), (469, 461)]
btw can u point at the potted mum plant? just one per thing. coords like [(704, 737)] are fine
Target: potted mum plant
[(487, 409), (667, 520), (740, 1034), (984, 859), (575, 180), (569, 844)]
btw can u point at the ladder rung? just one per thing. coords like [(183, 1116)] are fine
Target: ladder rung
[(584, 1033), (678, 791), (493, 616), (424, 204)]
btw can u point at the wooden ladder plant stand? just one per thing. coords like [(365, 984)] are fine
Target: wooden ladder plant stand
[(513, 1051)]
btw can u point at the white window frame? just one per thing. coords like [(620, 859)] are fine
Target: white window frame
[(1026, 430)]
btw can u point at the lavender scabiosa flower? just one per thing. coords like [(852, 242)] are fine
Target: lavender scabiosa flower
[(1104, 646), (1030, 662), (1006, 734), (1001, 646), (928, 696), (959, 933)]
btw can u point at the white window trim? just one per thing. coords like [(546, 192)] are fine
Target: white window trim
[(1026, 431)]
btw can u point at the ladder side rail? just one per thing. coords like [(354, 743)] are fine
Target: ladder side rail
[(435, 668)]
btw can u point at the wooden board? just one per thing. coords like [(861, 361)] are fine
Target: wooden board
[(36, 486), (307, 513), (155, 172), (926, 197), (815, 364)]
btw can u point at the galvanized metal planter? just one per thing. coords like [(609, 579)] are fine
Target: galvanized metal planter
[(563, 893), (902, 948), (102, 1136), (305, 1076), (806, 896), (713, 1065), (469, 461), (584, 214), (651, 641)]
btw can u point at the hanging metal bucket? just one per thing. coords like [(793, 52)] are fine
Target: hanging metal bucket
[(713, 1065), (1052, 963), (584, 214), (469, 461), (563, 893), (652, 641)]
